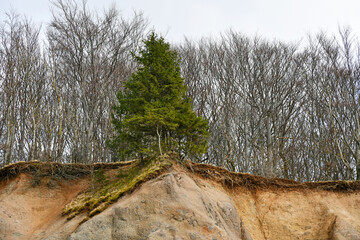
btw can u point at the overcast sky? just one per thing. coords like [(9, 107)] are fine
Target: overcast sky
[(287, 20)]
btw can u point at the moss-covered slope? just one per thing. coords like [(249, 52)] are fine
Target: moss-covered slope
[(107, 188)]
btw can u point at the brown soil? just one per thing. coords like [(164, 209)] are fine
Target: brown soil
[(253, 182)]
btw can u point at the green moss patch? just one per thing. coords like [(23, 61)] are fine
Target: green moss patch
[(108, 190)]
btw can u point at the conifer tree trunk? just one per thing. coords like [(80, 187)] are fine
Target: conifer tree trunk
[(159, 138)]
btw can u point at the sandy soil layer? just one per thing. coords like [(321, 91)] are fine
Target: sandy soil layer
[(183, 204)]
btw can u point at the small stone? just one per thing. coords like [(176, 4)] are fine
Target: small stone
[(171, 228), (191, 222), (178, 218), (192, 236), (121, 213), (17, 234), (182, 212)]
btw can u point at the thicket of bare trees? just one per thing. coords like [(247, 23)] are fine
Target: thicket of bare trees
[(273, 108), (56, 98)]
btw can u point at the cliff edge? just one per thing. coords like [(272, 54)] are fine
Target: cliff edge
[(178, 201)]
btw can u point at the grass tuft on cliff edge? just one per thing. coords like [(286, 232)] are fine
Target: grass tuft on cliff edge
[(109, 189)]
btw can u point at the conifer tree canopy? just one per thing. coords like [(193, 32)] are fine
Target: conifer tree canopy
[(154, 115)]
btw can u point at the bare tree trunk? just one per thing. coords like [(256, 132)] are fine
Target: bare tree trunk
[(158, 132)]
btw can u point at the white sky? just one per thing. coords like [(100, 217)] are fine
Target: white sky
[(287, 20)]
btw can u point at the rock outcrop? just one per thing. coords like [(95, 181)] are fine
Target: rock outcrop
[(172, 206)]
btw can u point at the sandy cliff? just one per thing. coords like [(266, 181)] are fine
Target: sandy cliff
[(184, 202)]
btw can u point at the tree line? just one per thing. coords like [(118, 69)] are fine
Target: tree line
[(56, 98), (279, 109), (273, 108)]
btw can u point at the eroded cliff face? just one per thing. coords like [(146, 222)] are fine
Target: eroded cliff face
[(173, 206), (33, 212), (181, 204)]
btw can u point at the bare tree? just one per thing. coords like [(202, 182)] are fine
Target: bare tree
[(90, 58), (21, 81), (274, 109)]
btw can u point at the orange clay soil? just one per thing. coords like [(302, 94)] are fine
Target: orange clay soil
[(28, 211), (272, 208)]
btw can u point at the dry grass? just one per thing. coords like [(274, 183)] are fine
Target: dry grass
[(62, 171), (232, 179), (94, 202)]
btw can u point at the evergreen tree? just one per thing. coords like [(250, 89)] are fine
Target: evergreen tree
[(154, 115)]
